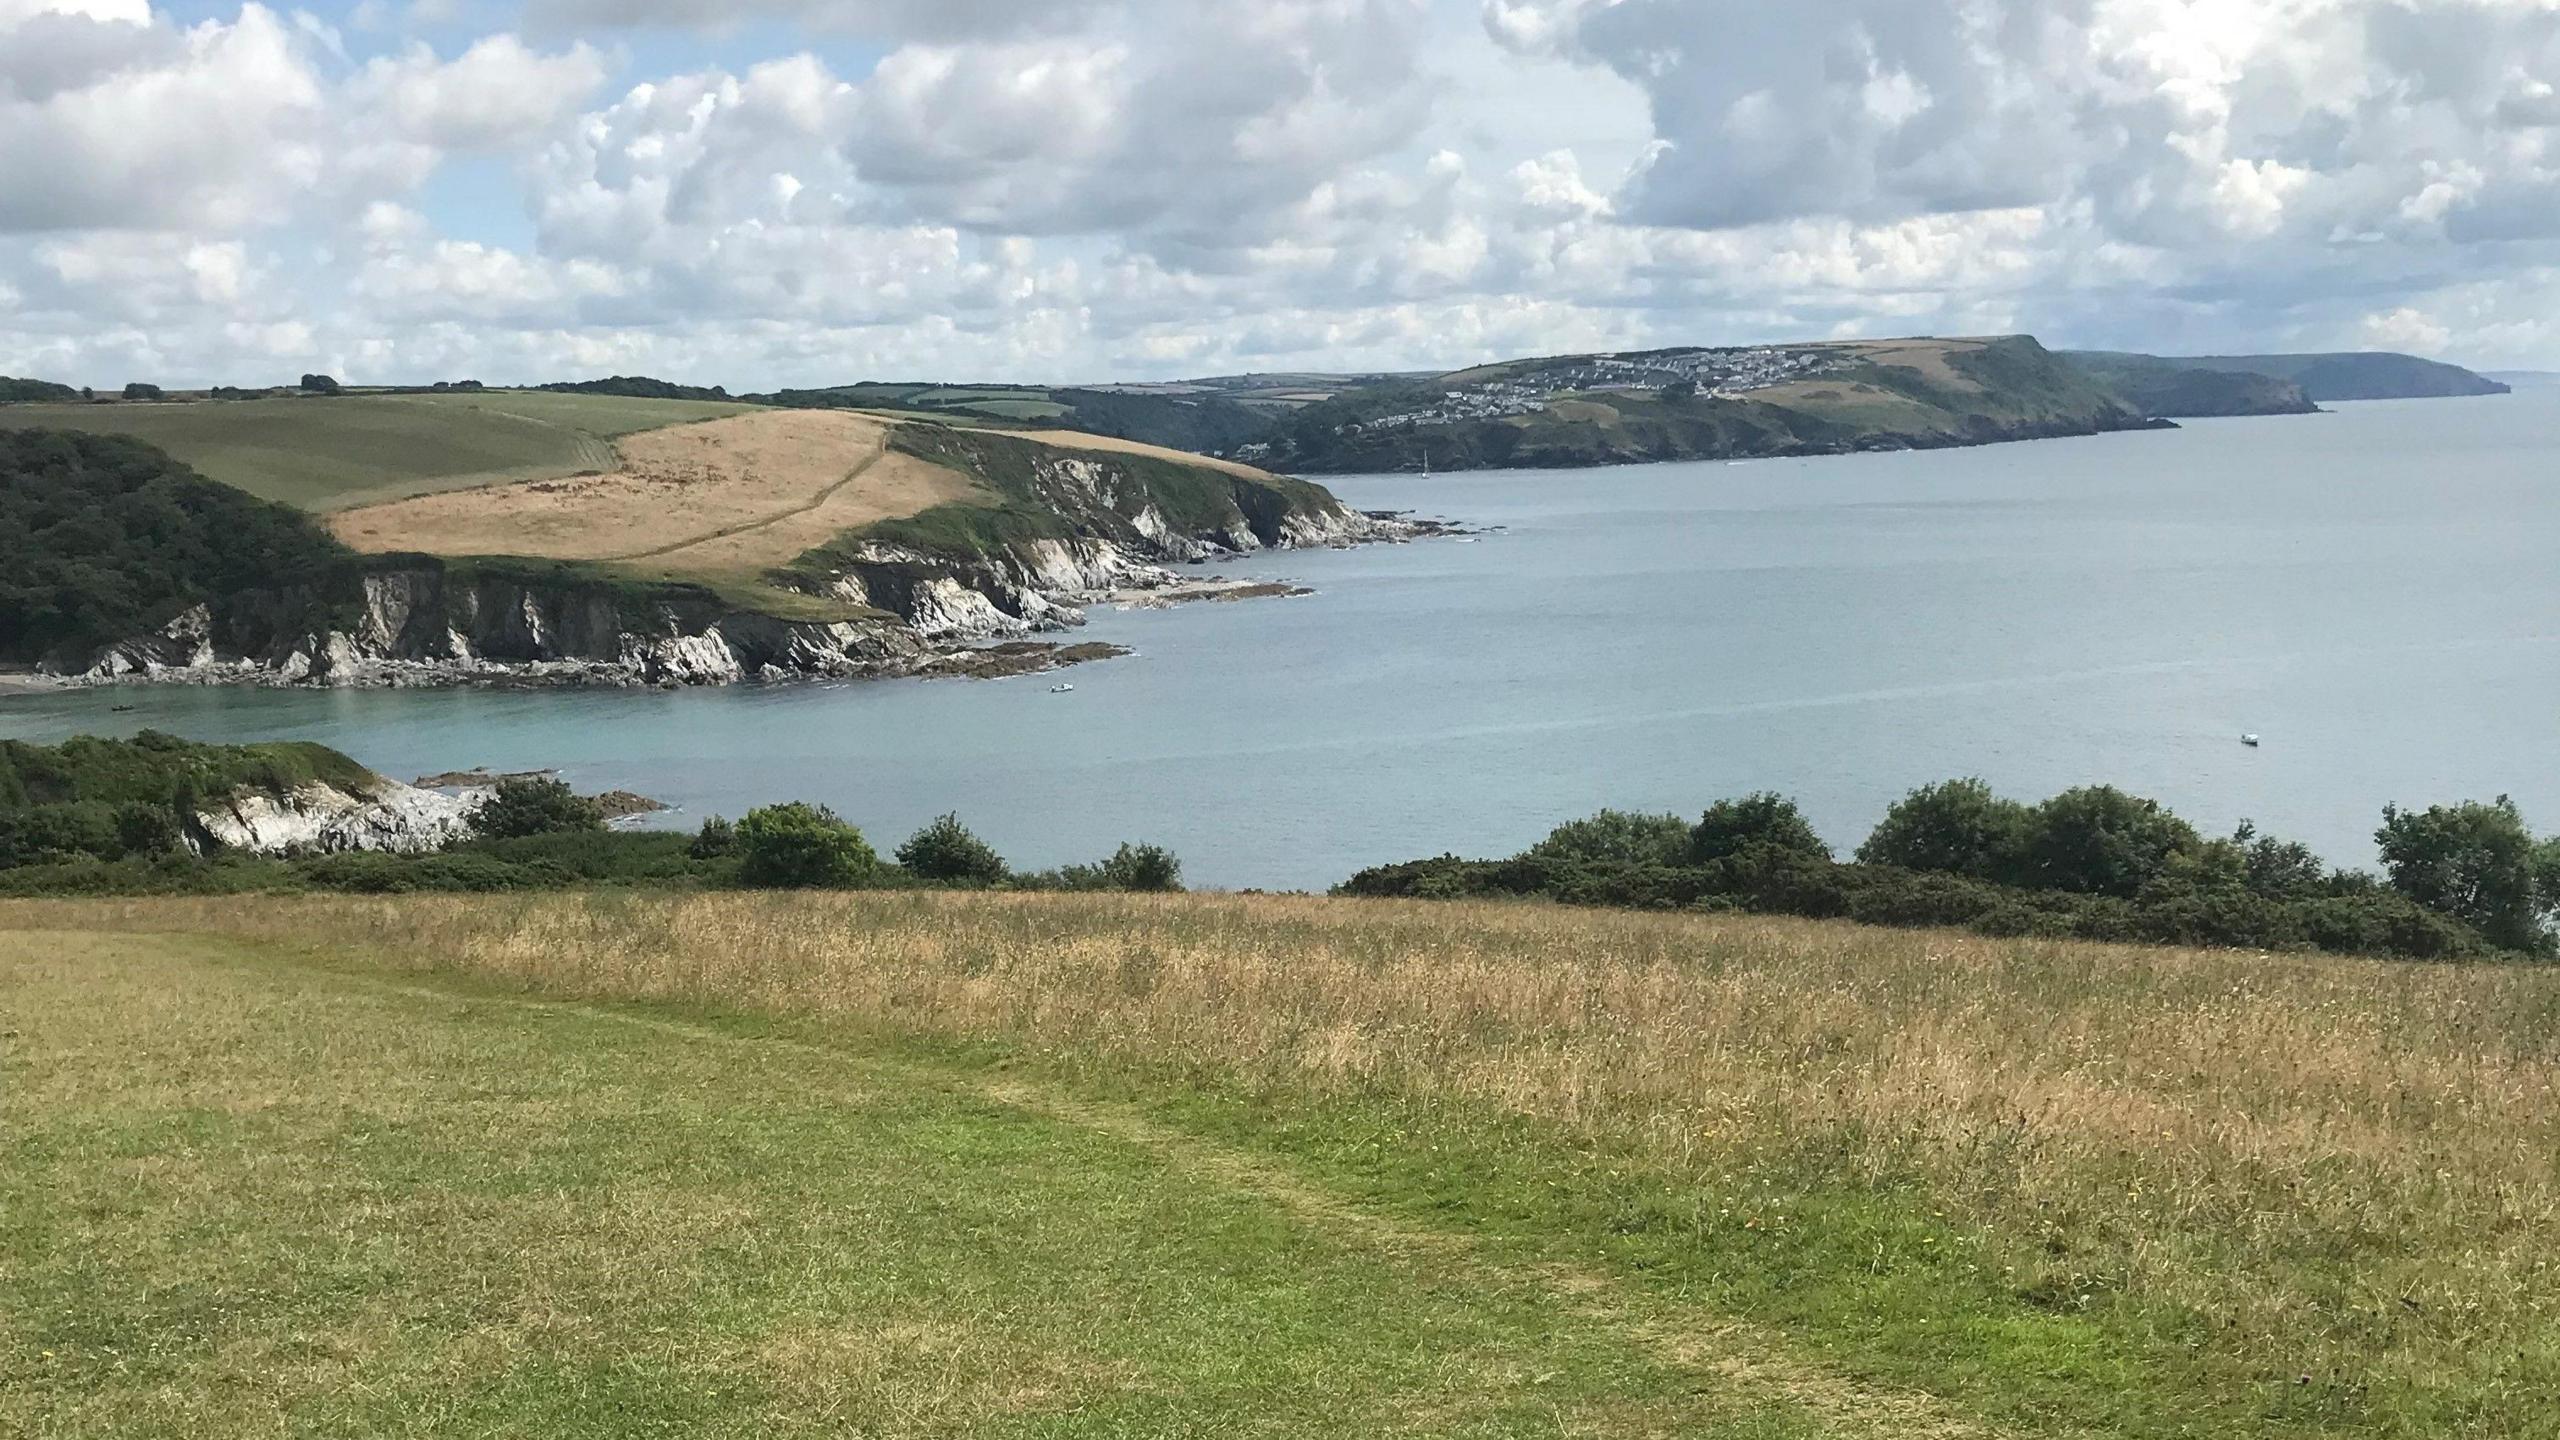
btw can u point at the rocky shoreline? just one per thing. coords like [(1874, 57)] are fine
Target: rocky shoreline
[(428, 625)]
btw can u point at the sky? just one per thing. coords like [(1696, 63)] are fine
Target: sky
[(761, 193)]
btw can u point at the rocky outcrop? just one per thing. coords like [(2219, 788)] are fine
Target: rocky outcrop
[(323, 820), (428, 626)]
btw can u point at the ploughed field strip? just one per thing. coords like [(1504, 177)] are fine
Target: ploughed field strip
[(736, 495), (249, 1197)]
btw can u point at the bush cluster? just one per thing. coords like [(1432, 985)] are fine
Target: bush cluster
[(2092, 864)]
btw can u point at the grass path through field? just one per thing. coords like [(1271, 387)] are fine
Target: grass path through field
[(247, 1195), (879, 446)]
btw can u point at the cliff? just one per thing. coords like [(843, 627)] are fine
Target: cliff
[(2180, 390), (2358, 375), (1057, 528)]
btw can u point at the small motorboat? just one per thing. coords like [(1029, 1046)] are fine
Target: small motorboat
[(2250, 740), (1060, 689)]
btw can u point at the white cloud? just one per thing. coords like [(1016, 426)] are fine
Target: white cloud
[(498, 94), (1102, 187)]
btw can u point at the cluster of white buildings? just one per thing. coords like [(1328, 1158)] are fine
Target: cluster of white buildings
[(1712, 372)]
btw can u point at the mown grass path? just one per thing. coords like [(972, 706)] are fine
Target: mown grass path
[(252, 1195)]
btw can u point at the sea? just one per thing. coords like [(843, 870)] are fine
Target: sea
[(2373, 592)]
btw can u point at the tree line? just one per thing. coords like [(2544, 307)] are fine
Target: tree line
[(2091, 863)]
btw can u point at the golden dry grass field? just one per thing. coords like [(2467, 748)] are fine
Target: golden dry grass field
[(731, 497), (1796, 1178)]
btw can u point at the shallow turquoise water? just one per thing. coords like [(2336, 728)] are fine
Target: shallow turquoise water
[(2376, 591)]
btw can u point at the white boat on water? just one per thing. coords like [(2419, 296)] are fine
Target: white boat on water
[(2250, 740), (1060, 689)]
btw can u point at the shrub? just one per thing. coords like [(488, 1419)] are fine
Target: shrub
[(535, 805), (369, 873), (1131, 867), (609, 857), (799, 847), (1762, 821), (1619, 837), (1958, 827), (715, 840), (948, 852)]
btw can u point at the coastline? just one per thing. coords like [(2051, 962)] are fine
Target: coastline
[(948, 620)]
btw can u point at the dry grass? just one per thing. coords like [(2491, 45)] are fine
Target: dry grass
[(732, 496), (1928, 357), (2340, 1168), (1082, 440)]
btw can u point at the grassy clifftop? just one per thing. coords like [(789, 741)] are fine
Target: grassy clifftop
[(809, 1164), (1688, 404)]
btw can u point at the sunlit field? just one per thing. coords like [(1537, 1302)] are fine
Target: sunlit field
[(1758, 1177)]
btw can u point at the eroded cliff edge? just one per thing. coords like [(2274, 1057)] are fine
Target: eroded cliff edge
[(1058, 529)]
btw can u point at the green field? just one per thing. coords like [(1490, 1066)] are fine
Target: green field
[(331, 454), (951, 1164)]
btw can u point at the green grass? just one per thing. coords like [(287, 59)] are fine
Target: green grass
[(257, 1195), (330, 454), (1756, 1177)]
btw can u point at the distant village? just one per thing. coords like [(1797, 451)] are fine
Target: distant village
[(1701, 372)]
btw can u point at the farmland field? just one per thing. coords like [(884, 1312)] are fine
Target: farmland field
[(731, 497), (949, 1164), (331, 454)]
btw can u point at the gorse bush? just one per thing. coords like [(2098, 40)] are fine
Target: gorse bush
[(948, 851), (801, 847), (1131, 867), (1619, 837)]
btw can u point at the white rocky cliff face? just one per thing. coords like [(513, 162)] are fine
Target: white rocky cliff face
[(320, 819), (430, 624)]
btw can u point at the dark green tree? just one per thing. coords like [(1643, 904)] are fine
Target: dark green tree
[(535, 805), (2478, 864), (2098, 840), (947, 851), (1763, 822), (2279, 869), (140, 391), (801, 847), (1958, 826)]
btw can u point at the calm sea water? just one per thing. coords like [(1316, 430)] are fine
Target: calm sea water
[(2376, 591)]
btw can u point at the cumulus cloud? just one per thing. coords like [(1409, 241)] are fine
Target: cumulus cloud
[(1131, 187)]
